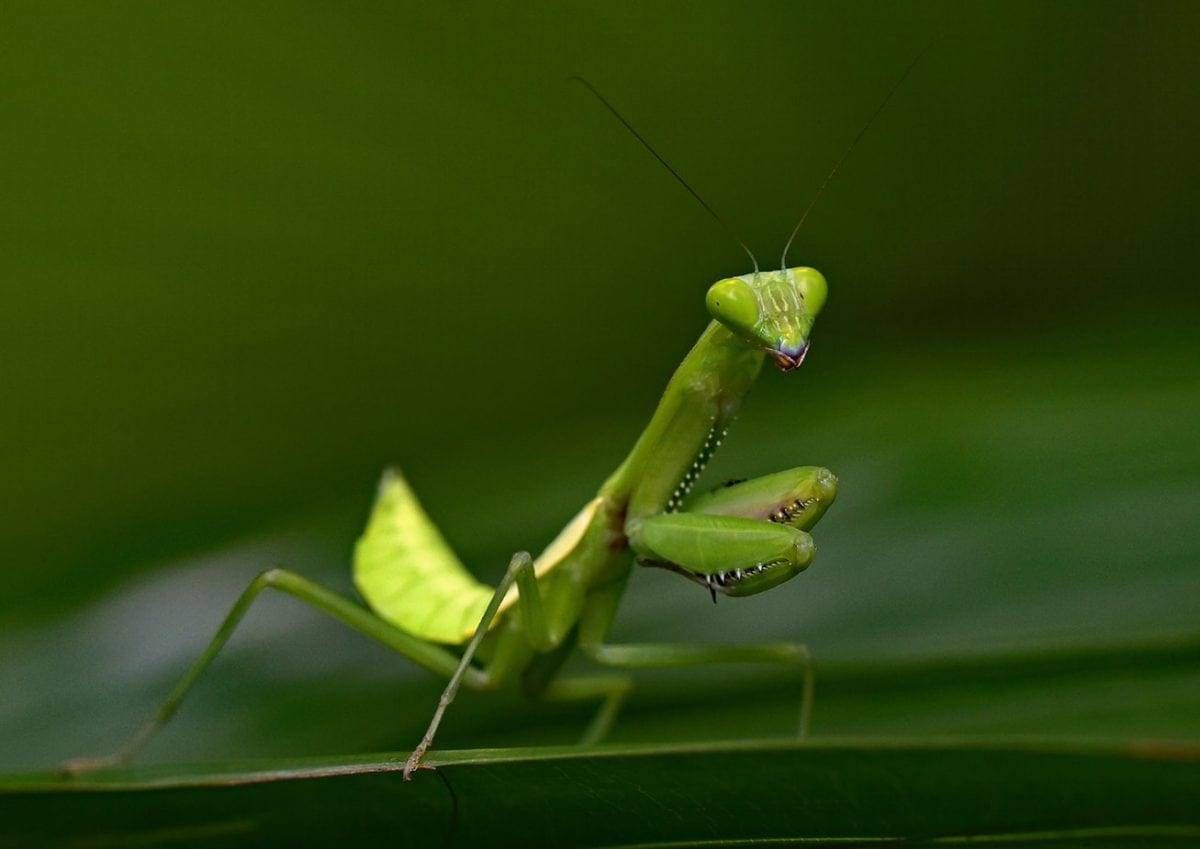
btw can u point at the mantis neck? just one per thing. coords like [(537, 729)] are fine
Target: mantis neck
[(701, 399)]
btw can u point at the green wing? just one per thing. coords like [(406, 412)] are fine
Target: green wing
[(409, 575)]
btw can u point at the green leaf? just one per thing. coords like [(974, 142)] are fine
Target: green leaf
[(1028, 790), (841, 790)]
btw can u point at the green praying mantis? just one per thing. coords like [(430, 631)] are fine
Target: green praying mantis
[(741, 539)]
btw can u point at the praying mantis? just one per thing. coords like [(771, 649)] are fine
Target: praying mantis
[(741, 539)]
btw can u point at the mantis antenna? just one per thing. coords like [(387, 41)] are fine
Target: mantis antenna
[(662, 160), (845, 154)]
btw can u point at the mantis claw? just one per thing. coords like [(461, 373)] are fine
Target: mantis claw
[(414, 761)]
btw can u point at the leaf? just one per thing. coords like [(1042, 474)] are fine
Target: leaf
[(838, 790), (1027, 788)]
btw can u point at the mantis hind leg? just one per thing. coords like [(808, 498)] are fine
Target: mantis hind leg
[(430, 656)]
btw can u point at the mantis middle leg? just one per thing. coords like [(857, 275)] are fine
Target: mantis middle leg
[(538, 629), (611, 690), (593, 633)]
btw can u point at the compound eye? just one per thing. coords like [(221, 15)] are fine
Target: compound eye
[(733, 303)]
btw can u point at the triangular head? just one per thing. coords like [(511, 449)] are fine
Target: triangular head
[(771, 310)]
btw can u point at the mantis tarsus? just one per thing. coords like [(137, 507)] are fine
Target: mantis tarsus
[(739, 540)]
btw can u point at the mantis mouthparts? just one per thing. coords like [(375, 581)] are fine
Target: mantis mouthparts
[(790, 362)]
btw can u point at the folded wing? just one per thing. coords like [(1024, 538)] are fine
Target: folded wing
[(408, 574)]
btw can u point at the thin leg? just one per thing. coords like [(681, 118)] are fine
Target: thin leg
[(597, 620), (520, 570), (432, 657), (611, 689), (669, 656)]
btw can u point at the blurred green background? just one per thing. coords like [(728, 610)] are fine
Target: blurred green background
[(253, 252)]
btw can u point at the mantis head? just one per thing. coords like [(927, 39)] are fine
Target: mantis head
[(771, 310)]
